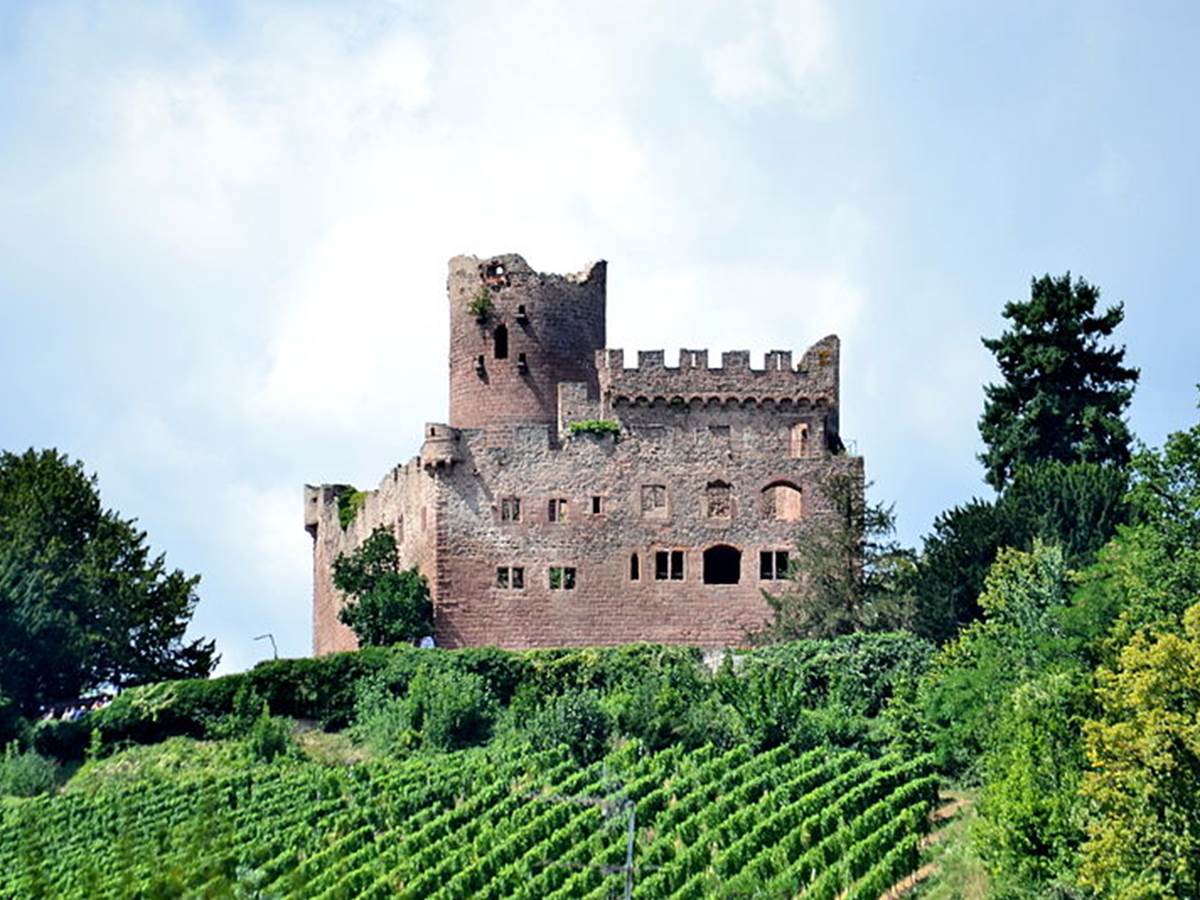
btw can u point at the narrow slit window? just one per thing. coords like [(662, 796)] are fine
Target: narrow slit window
[(500, 342), (596, 505), (635, 567), (798, 441)]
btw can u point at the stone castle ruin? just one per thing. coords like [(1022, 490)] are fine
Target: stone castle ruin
[(573, 500)]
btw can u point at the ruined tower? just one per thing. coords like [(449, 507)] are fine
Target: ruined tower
[(515, 335)]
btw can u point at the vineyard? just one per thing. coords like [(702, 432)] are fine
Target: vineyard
[(483, 823)]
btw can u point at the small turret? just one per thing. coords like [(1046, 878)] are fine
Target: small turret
[(440, 449)]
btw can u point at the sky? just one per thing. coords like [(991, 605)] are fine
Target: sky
[(224, 226)]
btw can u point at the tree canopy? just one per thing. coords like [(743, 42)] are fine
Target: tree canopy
[(82, 601), (849, 573), (387, 605), (1064, 391)]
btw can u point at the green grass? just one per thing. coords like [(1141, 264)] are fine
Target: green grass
[(960, 873)]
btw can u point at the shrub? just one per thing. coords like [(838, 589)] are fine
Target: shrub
[(481, 305), (381, 719), (812, 692), (713, 722), (576, 721), (349, 502), (595, 426), (449, 709), (25, 774), (270, 736), (440, 708)]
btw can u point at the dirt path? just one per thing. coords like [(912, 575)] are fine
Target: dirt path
[(943, 814)]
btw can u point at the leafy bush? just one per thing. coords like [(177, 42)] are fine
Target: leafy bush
[(595, 426), (270, 736), (829, 691), (1143, 782), (439, 708), (1029, 830), (481, 305), (449, 709), (25, 774), (381, 719), (576, 721), (713, 722), (349, 502), (11, 723)]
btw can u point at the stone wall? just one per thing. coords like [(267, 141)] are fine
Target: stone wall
[(607, 605), (712, 467), (405, 501)]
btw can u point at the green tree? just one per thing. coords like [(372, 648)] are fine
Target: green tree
[(1020, 636), (1063, 392), (82, 602), (1030, 823), (387, 605), (1150, 572), (1144, 780), (1166, 487), (953, 564), (849, 574), (1077, 506)]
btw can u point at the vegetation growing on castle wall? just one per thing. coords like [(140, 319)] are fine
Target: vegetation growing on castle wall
[(595, 426), (481, 304), (349, 501)]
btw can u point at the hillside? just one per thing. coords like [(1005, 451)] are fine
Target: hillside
[(487, 822)]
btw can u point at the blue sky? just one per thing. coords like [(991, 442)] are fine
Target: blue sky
[(224, 226)]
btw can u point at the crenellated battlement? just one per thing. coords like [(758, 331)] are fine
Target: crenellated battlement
[(814, 380)]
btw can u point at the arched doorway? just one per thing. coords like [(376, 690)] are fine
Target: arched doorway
[(722, 565)]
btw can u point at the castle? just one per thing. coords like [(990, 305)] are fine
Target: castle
[(571, 500)]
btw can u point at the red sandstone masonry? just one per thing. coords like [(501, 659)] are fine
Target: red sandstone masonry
[(683, 428)]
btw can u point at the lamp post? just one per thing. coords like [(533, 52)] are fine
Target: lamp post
[(270, 637)]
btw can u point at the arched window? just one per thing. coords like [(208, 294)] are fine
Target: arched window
[(722, 565), (782, 500), (501, 342)]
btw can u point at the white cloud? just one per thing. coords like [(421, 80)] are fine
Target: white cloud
[(787, 50), (284, 198)]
